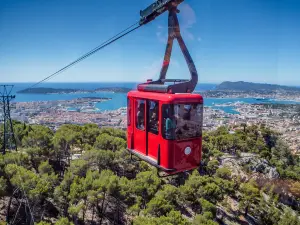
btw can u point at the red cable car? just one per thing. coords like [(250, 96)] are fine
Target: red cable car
[(164, 117)]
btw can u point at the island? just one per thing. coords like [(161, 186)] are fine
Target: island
[(113, 89), (43, 90)]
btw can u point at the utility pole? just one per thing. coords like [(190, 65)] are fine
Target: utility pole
[(9, 141)]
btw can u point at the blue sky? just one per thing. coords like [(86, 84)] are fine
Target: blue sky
[(250, 40)]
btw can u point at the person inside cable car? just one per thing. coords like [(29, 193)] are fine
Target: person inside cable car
[(140, 116), (153, 122), (170, 124)]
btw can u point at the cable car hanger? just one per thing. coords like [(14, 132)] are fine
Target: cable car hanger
[(180, 85), (166, 154)]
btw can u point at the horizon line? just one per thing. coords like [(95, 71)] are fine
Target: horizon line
[(80, 82)]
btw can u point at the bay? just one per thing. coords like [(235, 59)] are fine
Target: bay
[(119, 99)]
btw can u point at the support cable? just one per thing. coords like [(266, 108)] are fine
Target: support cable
[(93, 51)]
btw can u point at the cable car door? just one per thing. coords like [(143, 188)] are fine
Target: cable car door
[(140, 126), (152, 128)]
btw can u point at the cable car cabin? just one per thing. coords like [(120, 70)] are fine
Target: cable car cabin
[(165, 130)]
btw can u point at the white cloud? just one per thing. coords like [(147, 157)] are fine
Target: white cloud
[(187, 18)]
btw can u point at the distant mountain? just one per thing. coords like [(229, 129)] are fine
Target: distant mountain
[(42, 90), (248, 86)]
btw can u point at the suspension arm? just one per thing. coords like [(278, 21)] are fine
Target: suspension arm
[(180, 85)]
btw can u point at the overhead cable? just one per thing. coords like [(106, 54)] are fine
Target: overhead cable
[(93, 51)]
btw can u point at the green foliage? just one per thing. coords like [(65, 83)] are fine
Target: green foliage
[(114, 132), (45, 168), (108, 142), (63, 221), (250, 195), (164, 201), (208, 207), (3, 186), (43, 223), (62, 191), (34, 185), (79, 167), (210, 188), (203, 220), (102, 159), (104, 177), (174, 217), (20, 159), (146, 185), (287, 164), (289, 218), (67, 138), (89, 134), (36, 156), (269, 215), (158, 206), (38, 136), (224, 173), (212, 166)]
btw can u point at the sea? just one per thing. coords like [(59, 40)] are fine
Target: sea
[(119, 99)]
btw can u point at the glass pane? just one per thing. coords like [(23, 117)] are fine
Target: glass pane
[(140, 116), (153, 116), (188, 120)]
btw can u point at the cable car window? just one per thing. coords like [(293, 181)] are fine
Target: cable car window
[(128, 112), (188, 120), (140, 115), (182, 121), (169, 122), (153, 116)]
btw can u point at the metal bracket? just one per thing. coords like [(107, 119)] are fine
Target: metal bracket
[(183, 86)]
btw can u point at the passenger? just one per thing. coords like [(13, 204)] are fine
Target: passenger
[(170, 126), (154, 120), (140, 116)]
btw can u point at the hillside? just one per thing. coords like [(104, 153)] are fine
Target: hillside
[(84, 175), (248, 86)]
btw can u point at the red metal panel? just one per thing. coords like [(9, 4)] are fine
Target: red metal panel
[(167, 154), (183, 160), (153, 143), (167, 98)]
